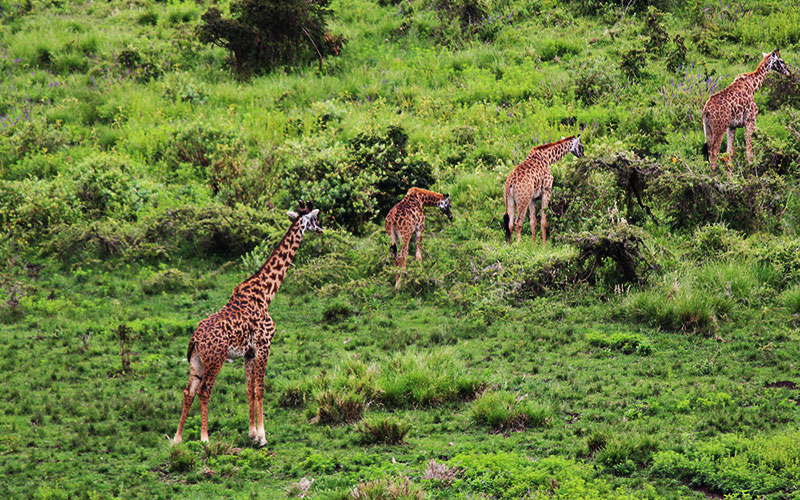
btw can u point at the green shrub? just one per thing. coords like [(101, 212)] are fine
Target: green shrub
[(504, 412), (387, 489), (791, 299), (362, 182), (627, 343), (335, 408), (266, 34), (386, 430), (168, 280), (505, 475), (727, 464)]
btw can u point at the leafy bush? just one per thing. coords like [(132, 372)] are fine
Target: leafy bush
[(362, 182), (691, 200), (504, 411), (505, 475), (727, 464), (627, 343), (622, 243), (168, 280), (594, 81), (265, 34), (713, 241), (386, 430)]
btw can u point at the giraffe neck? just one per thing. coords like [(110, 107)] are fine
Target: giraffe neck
[(757, 77), (554, 151), (264, 284), (424, 197)]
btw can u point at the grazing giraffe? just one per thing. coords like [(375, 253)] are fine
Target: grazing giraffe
[(734, 107), (243, 328), (407, 218), (532, 179)]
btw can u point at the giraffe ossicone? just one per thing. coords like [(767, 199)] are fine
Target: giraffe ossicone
[(243, 329)]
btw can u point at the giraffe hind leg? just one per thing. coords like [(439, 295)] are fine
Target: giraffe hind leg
[(195, 379)]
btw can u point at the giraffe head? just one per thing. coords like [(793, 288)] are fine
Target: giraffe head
[(444, 206), (576, 147), (307, 218), (776, 63)]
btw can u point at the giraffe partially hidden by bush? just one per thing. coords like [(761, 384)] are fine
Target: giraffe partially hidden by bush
[(734, 107), (532, 180), (407, 218), (243, 328)]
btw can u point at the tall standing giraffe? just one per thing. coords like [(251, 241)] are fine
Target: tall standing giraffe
[(243, 328), (532, 180), (733, 107), (407, 218)]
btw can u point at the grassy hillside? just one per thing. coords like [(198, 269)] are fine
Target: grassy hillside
[(648, 351)]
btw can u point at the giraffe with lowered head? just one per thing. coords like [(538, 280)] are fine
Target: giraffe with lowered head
[(733, 107), (243, 328), (407, 218), (532, 180)]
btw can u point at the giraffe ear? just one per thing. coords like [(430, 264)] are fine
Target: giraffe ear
[(314, 213), (764, 54), (292, 214)]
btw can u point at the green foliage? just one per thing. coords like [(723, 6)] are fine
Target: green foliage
[(729, 463), (168, 280), (627, 343), (363, 181), (503, 411), (263, 35), (385, 430), (510, 475), (387, 489)]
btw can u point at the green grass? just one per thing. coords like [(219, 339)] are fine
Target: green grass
[(140, 181)]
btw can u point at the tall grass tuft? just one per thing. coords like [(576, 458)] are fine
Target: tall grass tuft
[(385, 430), (504, 411)]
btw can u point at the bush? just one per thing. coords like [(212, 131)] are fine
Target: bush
[(627, 343), (691, 200), (168, 280), (360, 183), (338, 408), (386, 430), (265, 34), (387, 489), (503, 412)]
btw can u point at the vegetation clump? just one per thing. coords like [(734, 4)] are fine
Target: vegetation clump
[(263, 35)]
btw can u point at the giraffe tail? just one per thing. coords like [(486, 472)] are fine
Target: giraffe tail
[(506, 220), (190, 351), (706, 133)]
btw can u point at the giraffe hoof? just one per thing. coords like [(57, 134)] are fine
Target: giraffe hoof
[(174, 441), (260, 441)]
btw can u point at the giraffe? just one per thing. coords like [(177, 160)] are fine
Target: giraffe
[(407, 218), (243, 328), (532, 179), (733, 107)]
